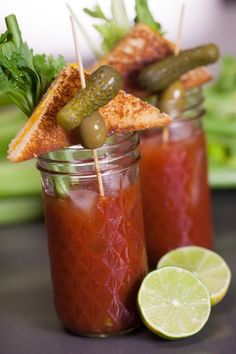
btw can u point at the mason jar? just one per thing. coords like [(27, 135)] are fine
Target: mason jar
[(175, 192), (96, 243)]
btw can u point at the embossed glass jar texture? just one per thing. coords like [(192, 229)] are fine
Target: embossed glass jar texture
[(96, 244)]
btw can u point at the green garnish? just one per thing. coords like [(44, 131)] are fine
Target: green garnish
[(226, 81), (111, 30), (114, 29), (24, 77), (220, 125), (143, 14)]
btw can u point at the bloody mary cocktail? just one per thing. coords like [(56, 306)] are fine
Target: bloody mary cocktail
[(96, 247), (176, 199)]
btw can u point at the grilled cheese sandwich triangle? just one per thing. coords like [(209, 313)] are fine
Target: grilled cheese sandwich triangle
[(41, 133), (140, 47)]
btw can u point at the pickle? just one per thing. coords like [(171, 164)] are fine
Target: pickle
[(101, 87), (159, 75)]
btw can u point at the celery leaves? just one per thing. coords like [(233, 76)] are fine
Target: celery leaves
[(24, 77), (114, 29), (111, 34), (144, 15), (96, 13), (111, 30)]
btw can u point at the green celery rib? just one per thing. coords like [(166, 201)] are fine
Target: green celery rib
[(19, 210), (119, 14), (11, 121), (222, 177), (10, 115), (221, 140), (4, 99), (61, 182), (60, 186), (7, 133), (13, 27), (19, 179), (222, 128), (220, 104)]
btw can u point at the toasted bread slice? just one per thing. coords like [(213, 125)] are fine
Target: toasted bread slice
[(140, 47), (196, 77), (127, 113), (143, 46), (42, 134)]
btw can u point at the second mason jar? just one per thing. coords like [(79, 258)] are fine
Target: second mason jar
[(176, 198), (96, 244)]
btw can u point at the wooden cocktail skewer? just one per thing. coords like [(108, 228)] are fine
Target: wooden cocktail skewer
[(179, 33), (165, 133), (81, 28), (83, 85)]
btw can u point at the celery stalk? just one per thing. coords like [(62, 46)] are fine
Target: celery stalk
[(11, 121), (4, 99), (60, 181), (220, 127), (7, 133), (19, 179), (19, 210), (222, 177), (119, 14), (11, 116), (60, 187), (13, 28)]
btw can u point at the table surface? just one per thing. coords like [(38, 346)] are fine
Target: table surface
[(28, 323)]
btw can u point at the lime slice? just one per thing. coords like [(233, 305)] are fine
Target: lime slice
[(173, 302), (207, 265)]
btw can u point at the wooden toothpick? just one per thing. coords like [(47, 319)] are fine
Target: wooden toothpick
[(179, 33), (90, 43), (83, 85), (78, 56), (98, 171), (166, 134)]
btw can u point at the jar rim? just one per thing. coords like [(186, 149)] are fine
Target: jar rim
[(118, 153), (49, 156)]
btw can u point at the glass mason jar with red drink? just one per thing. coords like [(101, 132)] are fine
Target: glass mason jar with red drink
[(96, 244), (176, 198)]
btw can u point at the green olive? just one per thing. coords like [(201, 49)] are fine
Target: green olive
[(92, 131), (172, 97)]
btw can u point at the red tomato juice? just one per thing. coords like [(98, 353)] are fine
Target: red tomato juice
[(176, 200), (98, 259)]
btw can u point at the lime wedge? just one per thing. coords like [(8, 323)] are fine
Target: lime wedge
[(207, 265), (173, 302)]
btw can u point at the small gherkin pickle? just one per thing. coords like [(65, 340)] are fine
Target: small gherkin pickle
[(101, 87), (159, 75), (92, 131)]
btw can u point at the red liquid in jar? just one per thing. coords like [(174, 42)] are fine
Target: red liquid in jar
[(176, 200), (98, 259)]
